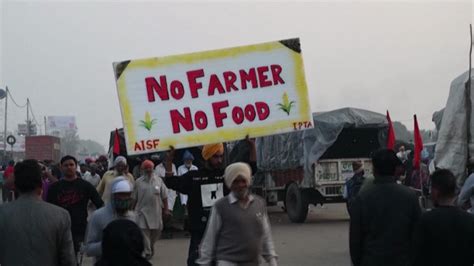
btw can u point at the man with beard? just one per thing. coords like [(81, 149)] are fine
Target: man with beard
[(204, 187), (188, 165), (238, 232), (120, 169), (118, 208), (151, 197)]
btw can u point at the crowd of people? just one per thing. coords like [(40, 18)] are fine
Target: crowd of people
[(57, 213), (55, 216)]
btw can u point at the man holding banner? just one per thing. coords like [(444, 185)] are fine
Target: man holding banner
[(204, 187)]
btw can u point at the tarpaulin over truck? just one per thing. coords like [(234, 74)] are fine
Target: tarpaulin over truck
[(455, 138), (303, 148)]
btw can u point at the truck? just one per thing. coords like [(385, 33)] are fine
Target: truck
[(311, 166), (43, 148)]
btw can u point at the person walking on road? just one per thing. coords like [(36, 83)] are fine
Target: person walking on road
[(34, 232), (8, 188), (151, 197), (383, 217), (187, 166), (118, 208), (204, 187), (120, 169), (354, 184), (73, 194), (122, 245), (93, 177), (238, 232), (160, 171)]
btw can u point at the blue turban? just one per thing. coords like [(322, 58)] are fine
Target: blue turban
[(188, 156)]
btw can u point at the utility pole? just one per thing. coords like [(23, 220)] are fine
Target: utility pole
[(45, 127), (5, 128), (27, 117)]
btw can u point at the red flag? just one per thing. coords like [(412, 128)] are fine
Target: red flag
[(116, 143), (418, 146), (391, 134)]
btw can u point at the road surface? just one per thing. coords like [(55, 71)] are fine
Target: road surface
[(322, 240)]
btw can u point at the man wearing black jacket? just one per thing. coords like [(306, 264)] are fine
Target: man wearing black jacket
[(445, 235), (383, 217), (204, 187)]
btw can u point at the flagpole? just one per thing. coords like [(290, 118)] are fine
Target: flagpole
[(468, 95)]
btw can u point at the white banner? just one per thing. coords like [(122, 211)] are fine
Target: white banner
[(207, 97)]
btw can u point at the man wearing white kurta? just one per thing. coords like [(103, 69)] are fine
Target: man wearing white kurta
[(151, 197), (160, 171), (188, 165)]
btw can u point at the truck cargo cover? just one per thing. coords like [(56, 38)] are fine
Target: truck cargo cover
[(303, 148), (455, 123)]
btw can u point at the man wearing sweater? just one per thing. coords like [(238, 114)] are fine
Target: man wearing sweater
[(204, 188), (238, 232)]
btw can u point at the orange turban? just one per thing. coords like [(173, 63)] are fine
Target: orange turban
[(148, 163), (209, 150)]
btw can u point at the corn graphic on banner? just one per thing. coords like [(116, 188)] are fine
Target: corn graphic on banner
[(214, 96)]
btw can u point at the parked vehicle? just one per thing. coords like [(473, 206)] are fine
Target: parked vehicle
[(311, 166)]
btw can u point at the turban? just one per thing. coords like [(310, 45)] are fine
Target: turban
[(209, 150), (187, 156), (120, 159), (235, 170), (148, 163)]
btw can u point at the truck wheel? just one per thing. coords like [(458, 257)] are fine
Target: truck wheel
[(296, 204)]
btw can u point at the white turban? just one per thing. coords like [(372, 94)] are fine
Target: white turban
[(120, 159), (235, 170)]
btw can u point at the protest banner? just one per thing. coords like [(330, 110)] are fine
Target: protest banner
[(213, 96)]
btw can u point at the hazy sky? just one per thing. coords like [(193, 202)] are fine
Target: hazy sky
[(399, 56)]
